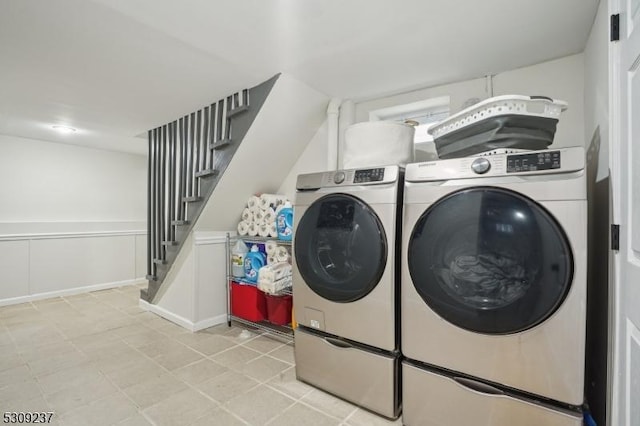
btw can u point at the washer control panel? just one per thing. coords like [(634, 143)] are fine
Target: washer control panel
[(533, 162), (368, 175), (561, 160)]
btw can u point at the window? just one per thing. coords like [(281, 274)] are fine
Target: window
[(423, 114)]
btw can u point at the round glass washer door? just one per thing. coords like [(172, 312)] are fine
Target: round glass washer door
[(490, 260), (340, 248)]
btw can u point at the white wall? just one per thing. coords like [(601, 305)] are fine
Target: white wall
[(73, 219), (313, 159), (561, 79), (52, 182), (596, 88)]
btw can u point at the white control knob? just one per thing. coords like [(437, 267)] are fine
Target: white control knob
[(480, 165), (338, 177)]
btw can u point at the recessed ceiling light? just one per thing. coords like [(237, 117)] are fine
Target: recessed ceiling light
[(63, 129)]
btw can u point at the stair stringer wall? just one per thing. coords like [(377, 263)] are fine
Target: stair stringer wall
[(288, 120)]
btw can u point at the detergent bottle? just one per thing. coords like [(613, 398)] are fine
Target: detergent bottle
[(284, 222), (253, 261), (238, 254)]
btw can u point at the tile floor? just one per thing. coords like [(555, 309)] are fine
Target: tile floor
[(98, 359)]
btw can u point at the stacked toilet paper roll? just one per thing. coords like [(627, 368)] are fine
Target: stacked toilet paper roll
[(258, 218)]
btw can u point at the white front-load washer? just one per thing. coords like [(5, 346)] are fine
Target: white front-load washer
[(346, 284), (493, 289)]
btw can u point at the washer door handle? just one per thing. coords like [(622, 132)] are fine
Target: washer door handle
[(478, 386), (337, 342)]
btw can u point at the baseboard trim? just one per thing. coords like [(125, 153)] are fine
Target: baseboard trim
[(182, 321), (69, 292), (210, 322)]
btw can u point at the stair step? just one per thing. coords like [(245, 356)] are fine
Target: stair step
[(192, 199), (151, 278), (159, 261), (237, 111), (206, 173), (220, 144), (179, 222), (169, 243)]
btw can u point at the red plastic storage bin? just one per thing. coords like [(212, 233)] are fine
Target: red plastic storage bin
[(279, 309), (248, 302)]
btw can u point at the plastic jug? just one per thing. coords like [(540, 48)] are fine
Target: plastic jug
[(238, 253), (284, 222), (253, 261)]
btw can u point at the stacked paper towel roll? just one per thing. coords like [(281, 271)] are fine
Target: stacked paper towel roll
[(259, 216)]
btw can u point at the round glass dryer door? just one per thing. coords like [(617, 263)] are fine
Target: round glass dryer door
[(340, 248), (490, 260)]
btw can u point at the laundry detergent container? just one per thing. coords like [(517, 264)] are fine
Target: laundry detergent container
[(378, 143), (511, 122)]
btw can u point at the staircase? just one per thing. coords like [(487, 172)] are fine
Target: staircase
[(187, 159)]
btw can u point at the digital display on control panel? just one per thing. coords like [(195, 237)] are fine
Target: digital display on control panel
[(368, 175), (532, 162)]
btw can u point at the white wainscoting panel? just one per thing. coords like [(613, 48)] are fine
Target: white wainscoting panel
[(58, 264), (14, 269)]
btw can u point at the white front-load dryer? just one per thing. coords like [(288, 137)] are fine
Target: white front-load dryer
[(493, 289), (346, 284)]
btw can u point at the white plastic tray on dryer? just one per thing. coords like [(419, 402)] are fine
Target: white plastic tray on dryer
[(510, 121)]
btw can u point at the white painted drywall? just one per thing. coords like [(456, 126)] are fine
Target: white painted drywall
[(288, 120), (559, 79), (312, 159), (73, 219), (53, 182), (596, 88)]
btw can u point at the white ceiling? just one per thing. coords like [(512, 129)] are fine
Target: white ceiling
[(116, 68)]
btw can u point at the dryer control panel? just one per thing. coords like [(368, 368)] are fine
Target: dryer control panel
[(350, 177)]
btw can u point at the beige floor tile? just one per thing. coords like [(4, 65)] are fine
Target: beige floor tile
[(10, 360), (97, 342), (284, 353), (329, 404), (152, 391), (263, 344), (27, 389), (111, 361), (180, 409), (36, 404), (176, 356), (35, 335), (38, 353), (218, 417), (259, 405), (286, 382), (227, 386), (264, 368), (200, 371), (236, 357), (106, 411), (239, 335), (137, 420), (145, 336), (69, 377), (15, 375), (137, 371), (362, 417), (71, 398), (61, 361), (16, 310), (132, 328), (205, 343), (300, 414)]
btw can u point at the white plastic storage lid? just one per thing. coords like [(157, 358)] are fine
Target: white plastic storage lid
[(533, 106)]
